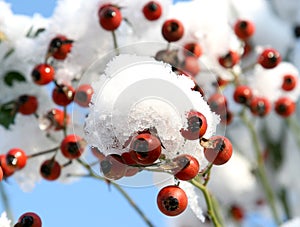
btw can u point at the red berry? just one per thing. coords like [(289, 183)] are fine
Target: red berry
[(192, 49), (269, 58), (63, 95), (260, 106), (110, 17), (172, 30), (172, 200), (242, 94), (197, 126), (72, 146), (16, 158), (83, 95), (221, 82), (145, 148), (27, 104), (60, 47), (229, 60), (247, 49), (285, 106), (152, 10), (218, 103), (30, 219), (6, 169), (237, 212), (43, 74), (188, 167), (57, 119), (244, 29), (1, 173), (113, 167), (220, 151), (289, 82), (127, 158), (50, 170), (191, 66)]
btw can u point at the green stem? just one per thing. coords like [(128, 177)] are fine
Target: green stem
[(120, 189), (285, 204), (6, 203), (211, 208), (115, 42), (294, 126), (261, 168)]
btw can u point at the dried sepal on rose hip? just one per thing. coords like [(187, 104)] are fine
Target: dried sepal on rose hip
[(16, 158), (152, 10), (43, 74), (145, 148), (172, 200), (260, 106), (54, 119), (83, 95), (217, 150), (269, 58), (289, 82), (59, 48), (230, 59), (29, 219), (187, 167), (50, 170), (196, 126), (244, 29), (172, 30), (27, 104), (72, 146), (110, 17), (63, 94), (285, 106)]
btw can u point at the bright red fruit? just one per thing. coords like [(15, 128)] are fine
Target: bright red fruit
[(16, 158), (237, 212), (43, 74), (244, 29), (260, 106), (192, 49), (30, 219), (229, 60), (289, 82), (152, 10), (285, 106), (72, 146), (27, 104), (6, 169), (145, 148), (172, 30), (172, 200), (57, 118), (50, 170), (220, 151), (63, 95), (1, 173), (110, 17), (242, 94), (83, 95), (197, 126), (191, 65), (188, 167), (269, 58), (60, 47)]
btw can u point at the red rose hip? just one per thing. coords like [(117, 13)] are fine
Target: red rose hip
[(29, 219), (172, 30), (188, 167), (197, 126), (72, 146), (43, 74), (152, 10)]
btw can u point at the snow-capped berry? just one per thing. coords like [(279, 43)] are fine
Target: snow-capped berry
[(172, 30), (289, 82), (218, 103), (50, 170), (196, 126), (16, 158), (242, 94), (72, 146), (113, 167), (59, 47), (172, 200), (188, 167), (43, 74), (83, 95), (145, 148), (63, 95), (30, 219), (220, 151), (269, 58), (230, 59), (260, 106), (192, 49), (152, 10), (27, 104), (110, 17), (244, 29), (285, 106)]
